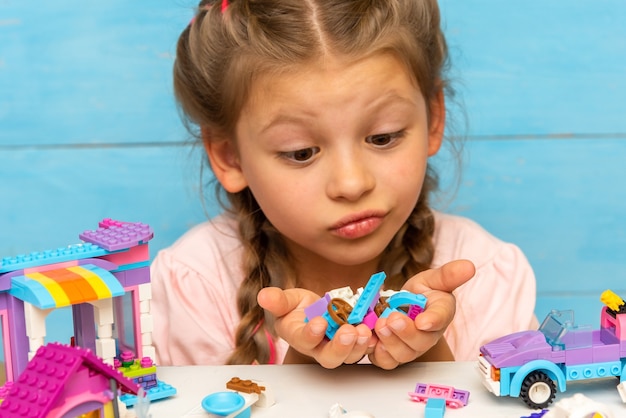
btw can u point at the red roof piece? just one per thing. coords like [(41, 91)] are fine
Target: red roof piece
[(38, 388)]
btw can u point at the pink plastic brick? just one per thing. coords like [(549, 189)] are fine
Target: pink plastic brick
[(455, 398)]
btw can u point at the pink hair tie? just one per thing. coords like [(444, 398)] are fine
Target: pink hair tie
[(207, 7), (270, 342)]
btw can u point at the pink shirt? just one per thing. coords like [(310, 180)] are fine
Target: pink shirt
[(195, 282)]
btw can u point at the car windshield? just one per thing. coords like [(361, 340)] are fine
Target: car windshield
[(562, 334), (556, 325)]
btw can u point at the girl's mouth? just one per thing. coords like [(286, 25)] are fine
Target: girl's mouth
[(357, 227)]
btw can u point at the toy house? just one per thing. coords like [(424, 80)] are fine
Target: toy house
[(65, 381), (106, 282)]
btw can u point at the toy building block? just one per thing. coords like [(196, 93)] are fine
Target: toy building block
[(533, 364), (143, 372), (341, 306), (60, 379), (415, 304), (266, 397), (621, 389), (317, 308), (612, 301), (59, 255), (265, 394), (368, 298), (536, 414), (247, 386), (90, 279), (454, 398), (435, 408), (578, 406), (115, 235)]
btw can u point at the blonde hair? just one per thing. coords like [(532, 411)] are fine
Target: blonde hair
[(218, 58)]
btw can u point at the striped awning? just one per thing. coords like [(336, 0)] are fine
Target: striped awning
[(66, 286)]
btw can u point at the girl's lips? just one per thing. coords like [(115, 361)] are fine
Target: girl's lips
[(358, 227)]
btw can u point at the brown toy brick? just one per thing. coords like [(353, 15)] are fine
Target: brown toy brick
[(246, 386)]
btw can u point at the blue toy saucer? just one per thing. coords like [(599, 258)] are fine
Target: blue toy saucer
[(224, 403)]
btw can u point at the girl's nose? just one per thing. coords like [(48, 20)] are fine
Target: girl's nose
[(349, 178)]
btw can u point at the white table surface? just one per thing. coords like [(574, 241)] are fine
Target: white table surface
[(310, 390)]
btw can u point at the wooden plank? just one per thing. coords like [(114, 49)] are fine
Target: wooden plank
[(76, 74), (72, 72), (539, 68), (51, 196), (561, 201)]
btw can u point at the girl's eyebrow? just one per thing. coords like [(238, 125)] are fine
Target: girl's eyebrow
[(284, 119), (390, 97)]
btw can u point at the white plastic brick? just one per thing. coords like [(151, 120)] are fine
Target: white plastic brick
[(105, 348), (145, 292), (146, 323)]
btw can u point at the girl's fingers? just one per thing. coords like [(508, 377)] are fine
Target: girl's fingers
[(439, 312), (281, 302), (361, 346), (401, 339), (381, 358), (306, 338), (334, 353), (445, 278)]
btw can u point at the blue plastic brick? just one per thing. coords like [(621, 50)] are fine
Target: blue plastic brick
[(370, 293), (332, 327), (399, 299), (406, 298), (32, 292), (41, 258), (435, 408), (161, 391)]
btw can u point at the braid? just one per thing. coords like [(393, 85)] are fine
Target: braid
[(411, 250), (265, 263)]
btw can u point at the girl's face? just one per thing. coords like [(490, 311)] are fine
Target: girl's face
[(335, 155)]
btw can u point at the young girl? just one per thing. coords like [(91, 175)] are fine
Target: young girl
[(318, 118)]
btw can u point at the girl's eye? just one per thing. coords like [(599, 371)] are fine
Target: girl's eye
[(302, 155), (383, 140)]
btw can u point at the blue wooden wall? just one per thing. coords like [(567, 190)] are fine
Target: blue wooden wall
[(89, 129)]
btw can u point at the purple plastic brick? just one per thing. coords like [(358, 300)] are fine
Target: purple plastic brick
[(115, 235), (317, 308), (536, 414)]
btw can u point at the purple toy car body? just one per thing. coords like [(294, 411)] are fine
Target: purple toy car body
[(532, 364)]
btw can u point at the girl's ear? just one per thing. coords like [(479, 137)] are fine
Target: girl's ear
[(224, 161), (437, 122)]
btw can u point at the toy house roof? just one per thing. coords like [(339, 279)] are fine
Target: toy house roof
[(110, 236), (39, 387)]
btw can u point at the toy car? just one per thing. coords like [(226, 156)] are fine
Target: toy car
[(532, 364)]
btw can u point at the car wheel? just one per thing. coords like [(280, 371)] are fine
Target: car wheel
[(538, 390)]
